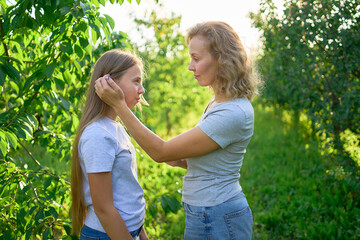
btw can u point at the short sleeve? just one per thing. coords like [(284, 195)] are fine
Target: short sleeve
[(226, 125), (97, 149)]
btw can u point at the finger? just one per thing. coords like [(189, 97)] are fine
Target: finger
[(111, 83)]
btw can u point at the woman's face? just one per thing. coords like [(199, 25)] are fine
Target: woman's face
[(202, 63), (131, 84)]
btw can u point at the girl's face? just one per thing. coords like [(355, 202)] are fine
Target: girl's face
[(131, 84), (202, 63)]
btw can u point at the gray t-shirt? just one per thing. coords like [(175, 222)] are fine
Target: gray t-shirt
[(106, 147), (213, 178)]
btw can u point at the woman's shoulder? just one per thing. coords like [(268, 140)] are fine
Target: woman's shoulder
[(234, 105), (235, 112)]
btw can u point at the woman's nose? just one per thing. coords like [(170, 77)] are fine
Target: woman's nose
[(141, 89)]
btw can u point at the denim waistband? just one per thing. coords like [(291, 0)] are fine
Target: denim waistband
[(136, 232)]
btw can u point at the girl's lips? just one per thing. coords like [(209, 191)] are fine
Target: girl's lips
[(196, 76)]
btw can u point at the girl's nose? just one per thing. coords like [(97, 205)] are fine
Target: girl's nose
[(191, 67)]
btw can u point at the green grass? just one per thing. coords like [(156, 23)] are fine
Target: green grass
[(294, 191)]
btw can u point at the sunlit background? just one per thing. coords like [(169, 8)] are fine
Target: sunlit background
[(235, 13)]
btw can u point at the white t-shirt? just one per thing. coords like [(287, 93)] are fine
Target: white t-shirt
[(213, 178), (106, 147)]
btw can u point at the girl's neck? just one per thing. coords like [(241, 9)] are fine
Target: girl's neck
[(111, 114)]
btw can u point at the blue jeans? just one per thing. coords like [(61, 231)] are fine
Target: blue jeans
[(92, 234), (229, 220)]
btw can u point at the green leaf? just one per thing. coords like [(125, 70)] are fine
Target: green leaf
[(53, 212), (37, 75), (67, 228), (2, 75), (65, 103), (47, 233), (66, 47), (67, 76), (65, 10), (81, 26), (14, 86), (110, 21), (8, 69), (50, 69), (47, 182), (94, 36), (39, 215), (3, 6), (83, 42), (79, 51), (31, 120), (3, 143), (12, 139)]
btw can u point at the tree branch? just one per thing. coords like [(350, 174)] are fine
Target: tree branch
[(30, 154)]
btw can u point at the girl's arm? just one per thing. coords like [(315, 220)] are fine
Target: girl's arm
[(102, 197), (188, 144)]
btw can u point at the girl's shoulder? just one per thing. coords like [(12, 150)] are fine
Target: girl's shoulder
[(100, 128)]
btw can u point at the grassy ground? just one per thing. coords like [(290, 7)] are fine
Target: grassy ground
[(295, 192)]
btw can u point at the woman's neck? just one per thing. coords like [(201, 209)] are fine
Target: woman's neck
[(220, 98)]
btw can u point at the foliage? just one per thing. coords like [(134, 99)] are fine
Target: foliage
[(32, 203), (310, 58), (293, 191), (162, 187), (47, 51), (46, 54)]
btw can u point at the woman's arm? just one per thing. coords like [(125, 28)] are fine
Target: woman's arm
[(178, 163), (143, 235), (102, 197), (188, 144)]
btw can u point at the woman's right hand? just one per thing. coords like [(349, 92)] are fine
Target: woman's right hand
[(109, 91)]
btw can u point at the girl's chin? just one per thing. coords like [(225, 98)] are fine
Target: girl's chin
[(131, 106)]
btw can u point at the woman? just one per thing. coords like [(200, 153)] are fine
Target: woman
[(107, 199), (213, 151)]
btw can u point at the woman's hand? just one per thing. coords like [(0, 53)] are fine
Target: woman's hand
[(143, 235), (109, 91)]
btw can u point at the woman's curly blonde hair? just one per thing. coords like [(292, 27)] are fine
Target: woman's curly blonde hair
[(235, 77)]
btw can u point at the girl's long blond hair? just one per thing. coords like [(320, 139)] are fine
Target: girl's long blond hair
[(115, 63)]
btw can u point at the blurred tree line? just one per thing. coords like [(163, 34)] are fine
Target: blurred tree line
[(310, 60)]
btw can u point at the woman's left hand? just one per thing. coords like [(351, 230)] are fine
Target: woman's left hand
[(109, 91), (143, 235)]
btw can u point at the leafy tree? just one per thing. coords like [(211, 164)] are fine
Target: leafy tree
[(311, 61), (46, 54)]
